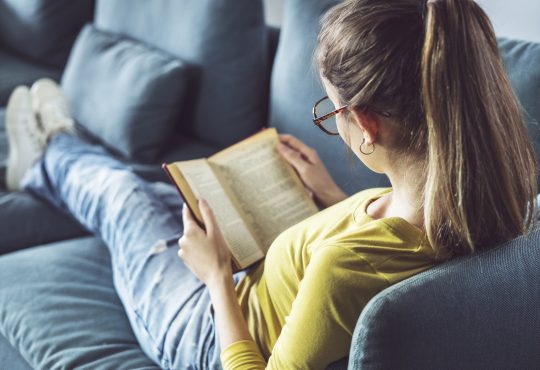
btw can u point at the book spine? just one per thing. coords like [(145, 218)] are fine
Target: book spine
[(199, 222), (235, 265)]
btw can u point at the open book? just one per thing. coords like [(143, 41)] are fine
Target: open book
[(254, 193)]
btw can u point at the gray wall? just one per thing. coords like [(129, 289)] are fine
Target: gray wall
[(273, 10), (518, 19)]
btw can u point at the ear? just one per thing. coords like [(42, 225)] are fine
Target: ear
[(367, 122)]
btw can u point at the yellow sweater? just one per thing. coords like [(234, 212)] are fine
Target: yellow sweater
[(301, 305)]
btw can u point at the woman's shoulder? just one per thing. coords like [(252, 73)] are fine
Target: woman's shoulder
[(370, 193), (352, 202)]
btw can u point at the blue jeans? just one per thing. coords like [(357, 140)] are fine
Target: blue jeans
[(168, 307)]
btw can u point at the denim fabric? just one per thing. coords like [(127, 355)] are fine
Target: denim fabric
[(168, 307), (8, 355)]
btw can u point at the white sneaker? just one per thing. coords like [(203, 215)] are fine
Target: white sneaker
[(25, 138), (51, 107)]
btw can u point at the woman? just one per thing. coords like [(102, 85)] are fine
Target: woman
[(420, 95)]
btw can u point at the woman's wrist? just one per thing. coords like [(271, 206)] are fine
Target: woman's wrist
[(228, 315), (331, 197), (220, 280)]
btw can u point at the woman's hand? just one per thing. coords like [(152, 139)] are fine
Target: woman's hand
[(204, 252), (311, 170)]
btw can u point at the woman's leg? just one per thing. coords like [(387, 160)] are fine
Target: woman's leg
[(168, 307)]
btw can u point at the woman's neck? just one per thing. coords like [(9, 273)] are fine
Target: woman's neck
[(404, 201)]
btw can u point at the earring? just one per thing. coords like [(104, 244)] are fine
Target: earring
[(362, 151)]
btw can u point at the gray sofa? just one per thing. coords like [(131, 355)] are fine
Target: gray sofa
[(58, 307)]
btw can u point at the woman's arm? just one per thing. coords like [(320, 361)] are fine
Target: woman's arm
[(206, 254), (319, 327), (231, 324)]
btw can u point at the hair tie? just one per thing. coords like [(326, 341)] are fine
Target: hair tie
[(423, 7)]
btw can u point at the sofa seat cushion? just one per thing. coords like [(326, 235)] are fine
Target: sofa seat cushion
[(59, 309), (26, 221), (17, 71), (126, 94)]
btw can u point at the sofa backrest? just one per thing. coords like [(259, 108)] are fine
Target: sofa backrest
[(295, 87), (478, 312), (226, 44), (43, 30), (522, 61)]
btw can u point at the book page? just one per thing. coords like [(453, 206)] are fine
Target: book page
[(204, 184), (265, 186)]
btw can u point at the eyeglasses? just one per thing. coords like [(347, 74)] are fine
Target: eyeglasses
[(327, 122)]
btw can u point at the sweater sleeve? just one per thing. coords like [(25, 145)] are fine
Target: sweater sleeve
[(242, 355), (319, 328)]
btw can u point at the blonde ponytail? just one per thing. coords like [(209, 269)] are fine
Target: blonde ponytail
[(481, 180), (435, 66)]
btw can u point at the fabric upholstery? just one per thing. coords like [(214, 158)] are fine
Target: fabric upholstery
[(17, 70), (63, 312), (295, 87), (225, 40), (26, 221), (125, 93), (471, 313), (3, 149), (43, 30), (182, 149), (522, 60)]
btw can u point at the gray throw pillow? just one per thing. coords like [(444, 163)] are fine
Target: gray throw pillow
[(124, 93), (226, 42), (43, 30)]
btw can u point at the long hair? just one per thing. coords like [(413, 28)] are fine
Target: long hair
[(438, 70)]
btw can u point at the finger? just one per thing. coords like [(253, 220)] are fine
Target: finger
[(208, 216), (310, 157), (293, 157), (298, 145), (188, 220), (186, 216)]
